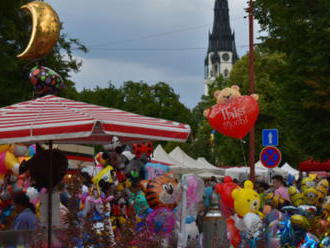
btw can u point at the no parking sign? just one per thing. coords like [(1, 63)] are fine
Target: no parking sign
[(270, 157)]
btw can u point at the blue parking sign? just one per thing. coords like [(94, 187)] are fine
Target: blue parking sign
[(270, 137)]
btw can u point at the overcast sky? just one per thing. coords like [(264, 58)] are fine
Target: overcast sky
[(146, 40)]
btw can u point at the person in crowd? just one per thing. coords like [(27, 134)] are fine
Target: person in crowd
[(200, 219), (25, 220), (207, 197), (262, 189), (64, 195), (280, 188)]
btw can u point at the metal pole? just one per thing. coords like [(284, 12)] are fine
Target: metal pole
[(50, 192), (252, 90)]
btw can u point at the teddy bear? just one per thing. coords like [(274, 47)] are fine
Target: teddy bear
[(246, 200), (226, 95)]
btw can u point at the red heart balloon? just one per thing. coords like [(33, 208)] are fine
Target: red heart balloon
[(235, 118)]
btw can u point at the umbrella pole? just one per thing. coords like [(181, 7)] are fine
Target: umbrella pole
[(50, 192)]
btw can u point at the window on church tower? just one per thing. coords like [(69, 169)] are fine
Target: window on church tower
[(226, 73)]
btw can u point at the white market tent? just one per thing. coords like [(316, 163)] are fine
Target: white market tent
[(160, 155), (286, 167), (180, 163), (262, 173), (191, 165)]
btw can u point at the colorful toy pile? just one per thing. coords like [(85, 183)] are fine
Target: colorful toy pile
[(303, 222)]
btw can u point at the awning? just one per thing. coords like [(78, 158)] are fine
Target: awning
[(66, 121), (312, 165)]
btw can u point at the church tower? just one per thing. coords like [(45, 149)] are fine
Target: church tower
[(221, 53)]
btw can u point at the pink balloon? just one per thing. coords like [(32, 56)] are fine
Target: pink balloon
[(161, 221), (194, 190)]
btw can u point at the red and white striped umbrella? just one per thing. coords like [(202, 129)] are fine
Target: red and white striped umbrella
[(66, 121)]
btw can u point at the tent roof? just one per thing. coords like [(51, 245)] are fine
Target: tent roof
[(312, 165), (160, 155), (66, 121), (290, 170), (204, 162), (190, 165), (178, 154)]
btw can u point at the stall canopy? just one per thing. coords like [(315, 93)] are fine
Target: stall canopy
[(262, 173), (286, 167), (190, 165), (160, 156), (66, 121), (312, 165), (60, 120)]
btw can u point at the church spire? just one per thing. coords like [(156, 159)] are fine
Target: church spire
[(221, 53), (221, 36)]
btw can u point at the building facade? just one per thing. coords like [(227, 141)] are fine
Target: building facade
[(221, 52)]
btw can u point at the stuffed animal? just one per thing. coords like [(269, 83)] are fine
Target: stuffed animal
[(135, 170), (192, 235), (322, 188), (276, 201), (311, 196), (308, 182), (226, 95), (296, 197), (246, 200), (162, 191)]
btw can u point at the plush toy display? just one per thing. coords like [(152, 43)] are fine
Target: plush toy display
[(233, 115)]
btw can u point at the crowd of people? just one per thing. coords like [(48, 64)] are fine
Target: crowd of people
[(114, 199)]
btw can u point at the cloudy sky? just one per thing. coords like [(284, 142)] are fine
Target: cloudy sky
[(146, 40)]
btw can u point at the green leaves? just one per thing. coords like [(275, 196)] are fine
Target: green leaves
[(15, 29), (300, 30)]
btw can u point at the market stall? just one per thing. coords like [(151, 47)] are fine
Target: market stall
[(51, 119)]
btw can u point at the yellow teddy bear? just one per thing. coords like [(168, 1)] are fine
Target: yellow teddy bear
[(246, 200)]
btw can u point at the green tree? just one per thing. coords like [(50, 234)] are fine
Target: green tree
[(300, 30), (14, 35), (158, 100), (269, 67), (229, 151)]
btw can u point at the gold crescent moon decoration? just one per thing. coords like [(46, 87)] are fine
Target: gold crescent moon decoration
[(45, 30)]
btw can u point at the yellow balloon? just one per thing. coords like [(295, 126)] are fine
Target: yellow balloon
[(104, 174), (12, 163), (4, 147), (45, 30), (246, 200), (300, 221)]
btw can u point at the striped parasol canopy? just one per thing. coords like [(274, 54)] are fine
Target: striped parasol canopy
[(60, 120)]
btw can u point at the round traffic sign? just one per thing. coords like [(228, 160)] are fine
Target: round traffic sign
[(270, 157)]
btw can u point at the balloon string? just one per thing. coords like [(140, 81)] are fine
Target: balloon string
[(243, 153)]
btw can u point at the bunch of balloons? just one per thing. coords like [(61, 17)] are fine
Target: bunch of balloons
[(45, 81)]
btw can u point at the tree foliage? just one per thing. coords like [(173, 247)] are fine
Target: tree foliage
[(15, 26), (300, 30), (158, 100)]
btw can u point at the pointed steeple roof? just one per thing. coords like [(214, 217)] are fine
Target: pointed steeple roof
[(221, 38), (221, 4)]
